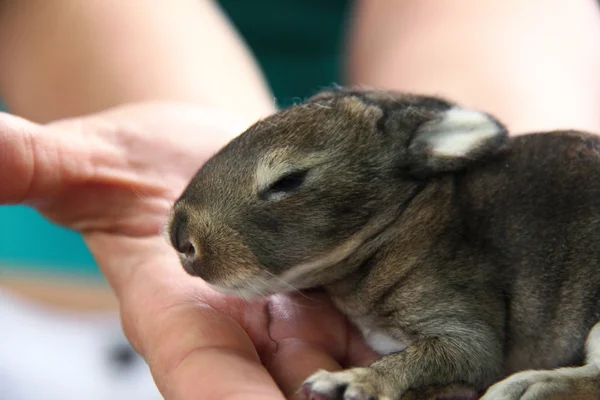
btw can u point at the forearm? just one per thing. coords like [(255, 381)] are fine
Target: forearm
[(534, 64), (72, 57)]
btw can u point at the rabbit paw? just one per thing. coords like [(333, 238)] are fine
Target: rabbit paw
[(564, 383), (351, 384)]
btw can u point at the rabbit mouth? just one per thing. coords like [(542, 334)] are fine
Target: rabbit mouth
[(248, 289), (254, 287)]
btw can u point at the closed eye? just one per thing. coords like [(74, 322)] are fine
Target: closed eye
[(286, 184)]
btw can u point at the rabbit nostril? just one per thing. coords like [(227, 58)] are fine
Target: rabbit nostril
[(180, 238), (187, 248)]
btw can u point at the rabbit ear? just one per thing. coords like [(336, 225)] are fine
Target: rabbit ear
[(454, 138)]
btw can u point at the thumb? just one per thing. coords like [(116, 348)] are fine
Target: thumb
[(36, 160)]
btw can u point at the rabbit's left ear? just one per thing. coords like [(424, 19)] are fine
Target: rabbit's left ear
[(453, 139)]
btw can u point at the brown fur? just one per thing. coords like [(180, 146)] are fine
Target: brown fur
[(425, 223)]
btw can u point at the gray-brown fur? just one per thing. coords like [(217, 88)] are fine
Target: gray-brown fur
[(481, 255)]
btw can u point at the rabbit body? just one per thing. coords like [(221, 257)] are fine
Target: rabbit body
[(467, 258)]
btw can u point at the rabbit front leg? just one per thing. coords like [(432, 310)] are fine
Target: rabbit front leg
[(436, 361)]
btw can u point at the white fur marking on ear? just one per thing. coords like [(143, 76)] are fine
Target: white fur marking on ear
[(459, 132)]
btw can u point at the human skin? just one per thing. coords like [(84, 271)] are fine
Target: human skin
[(533, 64), (71, 57), (78, 171)]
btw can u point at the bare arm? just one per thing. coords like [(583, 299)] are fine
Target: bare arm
[(535, 64), (72, 57)]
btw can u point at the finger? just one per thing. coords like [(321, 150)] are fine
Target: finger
[(308, 334), (19, 141), (61, 171), (41, 161), (197, 352), (194, 348), (295, 361), (122, 147)]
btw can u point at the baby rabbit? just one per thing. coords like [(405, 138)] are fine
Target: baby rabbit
[(462, 255)]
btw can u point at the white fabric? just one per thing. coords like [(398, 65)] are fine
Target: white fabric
[(51, 354)]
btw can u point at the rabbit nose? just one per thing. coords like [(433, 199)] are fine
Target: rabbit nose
[(180, 238)]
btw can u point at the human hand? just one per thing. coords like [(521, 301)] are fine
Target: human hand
[(113, 176)]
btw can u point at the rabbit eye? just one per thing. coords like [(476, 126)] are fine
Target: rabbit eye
[(287, 183)]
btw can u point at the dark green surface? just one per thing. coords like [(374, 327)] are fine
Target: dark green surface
[(297, 43), (29, 241)]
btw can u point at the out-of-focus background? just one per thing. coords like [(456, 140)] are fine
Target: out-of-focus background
[(60, 336)]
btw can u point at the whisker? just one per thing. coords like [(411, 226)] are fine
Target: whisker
[(284, 283), (292, 287), (254, 289)]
